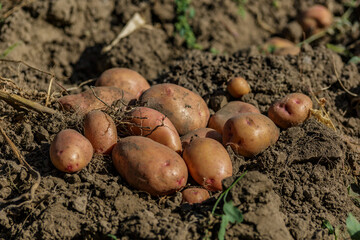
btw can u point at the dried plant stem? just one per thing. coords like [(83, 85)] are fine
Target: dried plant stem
[(49, 92), (16, 8), (340, 82), (18, 101), (29, 195)]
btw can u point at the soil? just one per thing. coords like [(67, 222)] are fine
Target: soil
[(289, 189)]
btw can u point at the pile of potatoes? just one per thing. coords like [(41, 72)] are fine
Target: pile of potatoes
[(171, 133)]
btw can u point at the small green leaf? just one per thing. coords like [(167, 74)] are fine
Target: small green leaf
[(233, 213), (336, 48), (191, 12), (353, 227), (355, 60), (8, 50), (0, 6), (112, 236), (326, 224), (223, 225)]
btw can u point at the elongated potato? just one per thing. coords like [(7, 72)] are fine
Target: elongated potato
[(194, 195), (208, 162), (149, 166), (185, 109), (70, 151), (200, 133), (86, 101), (291, 110), (280, 46), (125, 79), (101, 131), (218, 120), (249, 134), (154, 125)]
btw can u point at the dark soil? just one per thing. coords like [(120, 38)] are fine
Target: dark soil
[(289, 190)]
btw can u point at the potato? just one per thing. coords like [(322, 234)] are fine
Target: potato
[(194, 195), (101, 131), (249, 134), (208, 162), (218, 120), (154, 125), (280, 46), (185, 109), (291, 110), (125, 79), (238, 87), (200, 133), (70, 151), (149, 166), (315, 19), (86, 101)]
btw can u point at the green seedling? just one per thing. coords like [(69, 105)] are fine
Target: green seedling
[(111, 236), (355, 60), (231, 214), (353, 227), (214, 51), (241, 7), (8, 50), (183, 28), (332, 231)]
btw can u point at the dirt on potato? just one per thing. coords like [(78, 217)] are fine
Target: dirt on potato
[(289, 190)]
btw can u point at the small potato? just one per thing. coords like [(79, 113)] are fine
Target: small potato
[(86, 101), (249, 134), (149, 166), (238, 87), (218, 120), (280, 46), (154, 125), (101, 131), (185, 109), (291, 110), (194, 195), (70, 151), (208, 162), (125, 79), (315, 19), (200, 133)]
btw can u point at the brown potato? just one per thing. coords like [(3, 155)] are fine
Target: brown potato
[(218, 120), (149, 166), (125, 79), (185, 109), (70, 151), (208, 162), (86, 101), (238, 87), (249, 134), (194, 195), (200, 133), (280, 46), (291, 110), (154, 125), (101, 131), (315, 19)]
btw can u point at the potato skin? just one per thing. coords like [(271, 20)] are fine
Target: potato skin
[(291, 110), (238, 87), (194, 195), (101, 131), (249, 134), (218, 120), (200, 133), (315, 19), (84, 102), (70, 151), (208, 162), (124, 78), (280, 46), (150, 120), (185, 109), (149, 166)]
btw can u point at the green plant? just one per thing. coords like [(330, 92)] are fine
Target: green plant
[(231, 214), (353, 227), (183, 28), (8, 50), (241, 7), (326, 224)]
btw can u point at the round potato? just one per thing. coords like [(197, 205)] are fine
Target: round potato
[(194, 195), (291, 110), (149, 166), (125, 79), (200, 133), (154, 125), (101, 131), (70, 151), (315, 19), (84, 102), (218, 120), (238, 87), (208, 162), (185, 109), (249, 134)]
